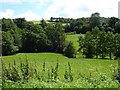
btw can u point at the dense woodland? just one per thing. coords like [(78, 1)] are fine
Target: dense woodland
[(99, 36)]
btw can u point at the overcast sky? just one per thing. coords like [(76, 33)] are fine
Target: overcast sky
[(38, 9)]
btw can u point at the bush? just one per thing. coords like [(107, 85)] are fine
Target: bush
[(70, 51)]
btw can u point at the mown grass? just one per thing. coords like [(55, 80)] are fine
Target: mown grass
[(73, 38)]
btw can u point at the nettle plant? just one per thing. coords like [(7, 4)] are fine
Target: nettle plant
[(53, 73), (26, 72), (11, 72), (116, 72), (68, 76)]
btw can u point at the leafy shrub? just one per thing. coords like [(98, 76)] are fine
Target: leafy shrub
[(68, 74), (70, 50)]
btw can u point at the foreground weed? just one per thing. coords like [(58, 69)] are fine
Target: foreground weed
[(68, 76)]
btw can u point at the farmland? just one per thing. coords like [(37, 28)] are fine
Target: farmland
[(80, 53), (81, 68), (73, 38), (78, 65), (39, 22)]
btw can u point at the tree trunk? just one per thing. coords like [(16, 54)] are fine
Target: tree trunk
[(102, 55), (110, 55)]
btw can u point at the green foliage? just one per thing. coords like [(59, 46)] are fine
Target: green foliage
[(35, 42), (68, 76), (96, 35), (56, 37), (29, 37), (115, 72), (99, 43), (102, 44), (53, 75), (50, 37), (117, 26), (11, 73), (7, 24), (20, 22), (11, 36), (80, 25), (95, 20), (98, 80), (8, 46), (56, 70), (109, 43), (70, 50), (0, 41), (17, 35), (25, 70), (43, 72), (117, 46), (86, 44), (112, 22), (43, 23), (14, 73)]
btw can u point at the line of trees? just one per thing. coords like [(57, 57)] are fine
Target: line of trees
[(101, 39), (18, 35), (100, 44), (82, 25)]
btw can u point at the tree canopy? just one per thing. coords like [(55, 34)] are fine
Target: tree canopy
[(99, 36)]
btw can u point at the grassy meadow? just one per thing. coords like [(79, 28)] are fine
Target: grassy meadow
[(86, 73), (81, 67), (73, 38), (38, 22), (78, 65)]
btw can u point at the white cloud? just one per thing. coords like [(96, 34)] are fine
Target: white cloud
[(82, 8), (44, 2), (29, 15), (65, 8), (7, 14)]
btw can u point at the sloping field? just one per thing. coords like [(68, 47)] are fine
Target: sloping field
[(82, 65), (73, 38)]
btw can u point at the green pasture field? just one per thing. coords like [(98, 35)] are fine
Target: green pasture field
[(78, 65), (94, 73), (73, 38), (38, 22)]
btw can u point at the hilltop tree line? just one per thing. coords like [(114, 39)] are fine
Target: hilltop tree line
[(19, 35), (82, 25)]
